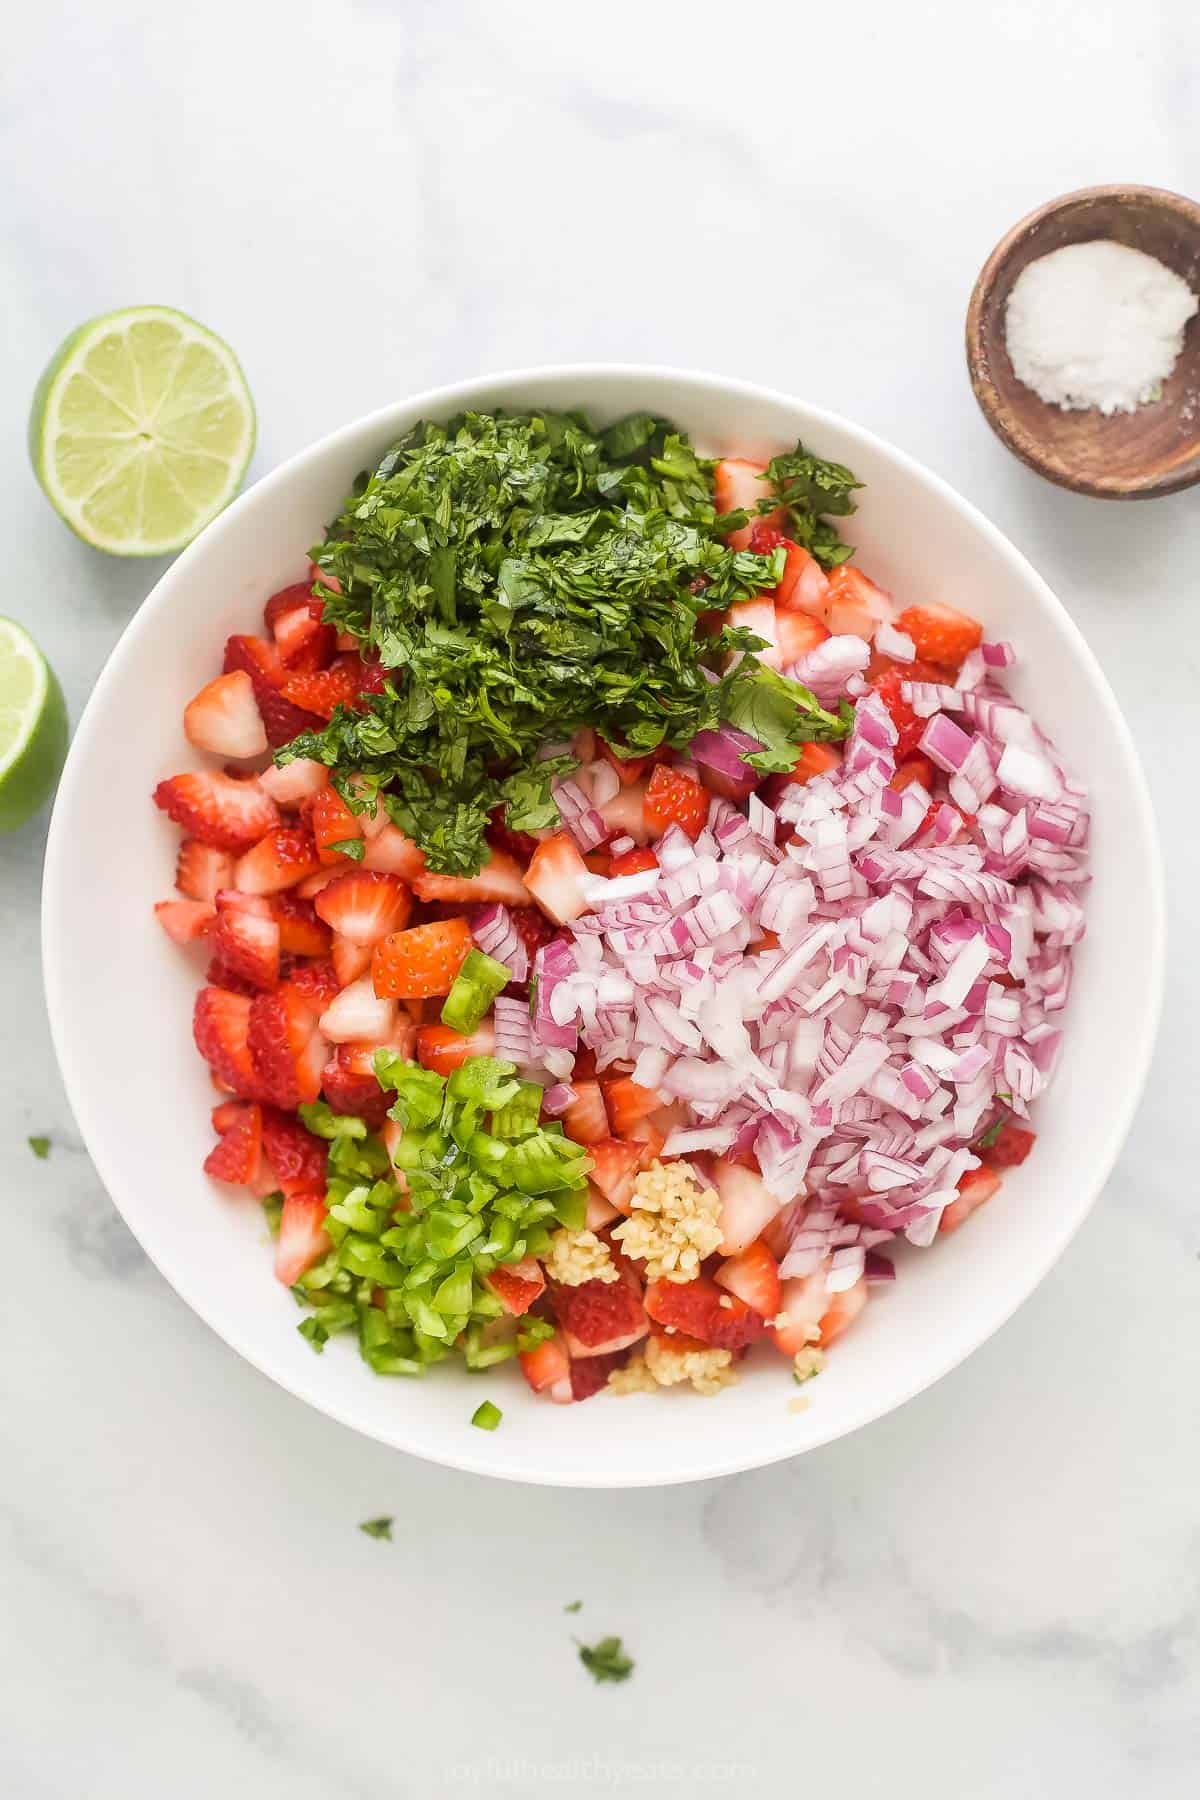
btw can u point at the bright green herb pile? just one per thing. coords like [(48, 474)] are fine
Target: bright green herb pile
[(526, 575), (485, 1184)]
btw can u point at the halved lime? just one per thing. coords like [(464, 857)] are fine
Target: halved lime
[(141, 429), (33, 727)]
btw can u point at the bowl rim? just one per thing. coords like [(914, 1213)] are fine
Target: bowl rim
[(711, 1463)]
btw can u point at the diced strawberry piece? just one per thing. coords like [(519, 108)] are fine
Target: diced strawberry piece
[(315, 982), (599, 1317), (324, 690), (350, 1091), (753, 1276), (547, 1368), (358, 1013), (246, 944), (260, 660), (364, 905), (291, 783), (841, 1313), (228, 814), (349, 960), (413, 964), (813, 760), (764, 538), (649, 1139), (915, 768), (1010, 1146), (236, 1156), (941, 634), (185, 920), (589, 1374), (498, 879), (301, 933), (443, 1050), (586, 1120), (286, 1049), (675, 799), (810, 1315), (201, 870), (304, 642), (533, 928), (220, 1025), (694, 1307), (633, 862), (287, 599), (757, 615), (628, 768), (331, 822), (279, 860), (625, 813), (976, 1187), (303, 1239), (517, 1285), (518, 844), (888, 685), (747, 1205), (614, 1170), (297, 1158), (804, 586), (627, 1102), (218, 974), (855, 607), (796, 634), (739, 485), (394, 854), (600, 1212), (554, 878), (226, 1115), (224, 719)]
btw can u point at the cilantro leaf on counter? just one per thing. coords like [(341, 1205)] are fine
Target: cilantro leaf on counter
[(573, 1606), (520, 577), (606, 1661), (810, 488), (378, 1528), (40, 1147)]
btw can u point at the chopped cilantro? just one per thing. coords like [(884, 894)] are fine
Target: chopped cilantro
[(810, 489), (573, 1606), (354, 848), (521, 576), (606, 1661), (990, 1135), (378, 1528), (40, 1147), (273, 1209)]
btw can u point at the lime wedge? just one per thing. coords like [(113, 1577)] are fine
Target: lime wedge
[(141, 429), (33, 727)]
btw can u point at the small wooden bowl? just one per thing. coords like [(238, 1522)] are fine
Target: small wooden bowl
[(1127, 456)]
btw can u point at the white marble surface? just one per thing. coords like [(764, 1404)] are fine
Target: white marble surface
[(994, 1593)]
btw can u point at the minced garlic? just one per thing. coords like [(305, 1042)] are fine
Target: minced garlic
[(673, 1222), (663, 1364), (807, 1363), (578, 1256)]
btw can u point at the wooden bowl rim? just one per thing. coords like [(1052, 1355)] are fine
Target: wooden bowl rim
[(992, 403)]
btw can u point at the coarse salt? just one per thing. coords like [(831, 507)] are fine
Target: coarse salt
[(1097, 325)]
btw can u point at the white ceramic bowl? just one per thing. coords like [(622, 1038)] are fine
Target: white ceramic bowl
[(120, 995)]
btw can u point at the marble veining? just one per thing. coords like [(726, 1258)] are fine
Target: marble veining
[(994, 1592)]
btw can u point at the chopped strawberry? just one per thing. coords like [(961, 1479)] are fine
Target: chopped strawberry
[(757, 615), (228, 814), (315, 982), (394, 854), (220, 1025), (941, 634), (628, 768), (547, 1368), (413, 964), (804, 586), (331, 822), (810, 1315), (649, 1139), (246, 944), (359, 1015), (533, 928), (280, 859), (236, 1156), (224, 719), (887, 685), (739, 485), (301, 933), (599, 1317), (614, 1170), (589, 1374), (287, 1051), (304, 641), (747, 1205), (554, 878), (586, 1119), (753, 1275), (260, 660), (364, 905), (976, 1186), (349, 960), (287, 599), (914, 768), (303, 1239), (347, 1089), (185, 920), (498, 879), (201, 870), (841, 1312), (675, 799), (764, 538), (813, 760), (324, 690), (625, 813), (633, 862), (289, 784), (695, 1308), (518, 844), (796, 634), (218, 974), (855, 607), (1009, 1148), (516, 1285), (443, 1050), (627, 1102), (226, 1115), (297, 1158)]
